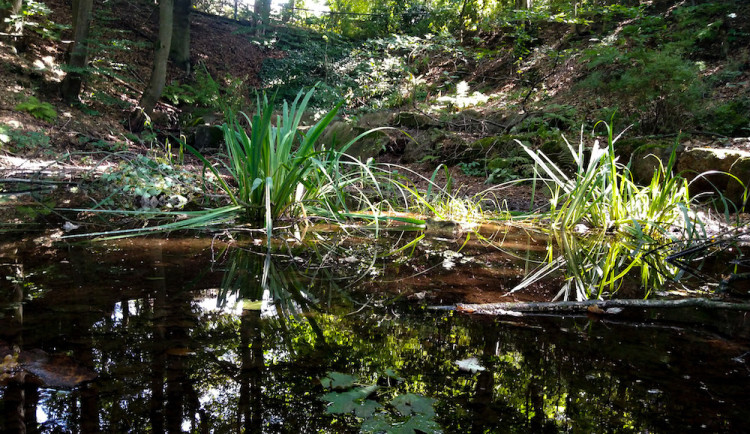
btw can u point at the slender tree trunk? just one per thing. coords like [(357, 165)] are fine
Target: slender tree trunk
[(71, 85), (288, 12), (180, 49), (5, 13), (262, 11), (159, 73)]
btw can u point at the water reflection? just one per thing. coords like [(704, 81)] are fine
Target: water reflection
[(127, 337), (600, 266)]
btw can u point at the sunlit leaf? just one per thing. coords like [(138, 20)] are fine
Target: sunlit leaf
[(252, 304), (379, 423), (418, 423), (390, 373)]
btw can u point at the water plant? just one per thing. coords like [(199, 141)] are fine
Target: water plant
[(279, 170), (601, 193), (405, 413)]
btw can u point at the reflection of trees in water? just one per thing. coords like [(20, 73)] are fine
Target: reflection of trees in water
[(165, 363)]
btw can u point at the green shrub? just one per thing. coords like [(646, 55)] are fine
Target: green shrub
[(40, 110), (379, 73), (136, 181), (20, 140), (661, 89), (204, 91), (730, 118)]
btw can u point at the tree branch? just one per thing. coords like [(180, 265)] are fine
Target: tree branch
[(593, 306)]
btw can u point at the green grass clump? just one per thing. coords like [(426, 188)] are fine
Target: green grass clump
[(276, 169), (601, 193), (40, 110), (280, 171)]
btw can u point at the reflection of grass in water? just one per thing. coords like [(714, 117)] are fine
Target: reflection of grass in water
[(596, 266), (255, 278), (602, 195), (599, 265)]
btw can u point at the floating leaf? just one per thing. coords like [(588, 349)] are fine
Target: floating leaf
[(418, 423), (413, 404), (390, 373), (337, 380), (367, 408), (347, 402), (379, 423), (415, 424)]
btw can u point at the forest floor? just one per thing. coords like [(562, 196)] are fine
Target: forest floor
[(86, 134)]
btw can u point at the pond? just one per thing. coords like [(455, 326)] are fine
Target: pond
[(186, 334)]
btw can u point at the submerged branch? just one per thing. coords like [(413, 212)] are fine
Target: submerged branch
[(593, 306)]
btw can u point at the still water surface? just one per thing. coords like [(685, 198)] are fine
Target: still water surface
[(193, 335)]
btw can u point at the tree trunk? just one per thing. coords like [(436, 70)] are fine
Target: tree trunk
[(159, 72), (5, 13), (262, 11), (180, 50), (288, 12), (71, 85)]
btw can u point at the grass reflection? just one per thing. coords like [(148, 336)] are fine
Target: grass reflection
[(256, 279), (598, 266)]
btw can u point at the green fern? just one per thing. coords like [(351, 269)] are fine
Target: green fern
[(40, 110)]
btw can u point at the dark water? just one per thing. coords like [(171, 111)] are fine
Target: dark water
[(150, 335)]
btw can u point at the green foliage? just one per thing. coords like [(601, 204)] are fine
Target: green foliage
[(102, 145), (19, 140), (310, 59), (40, 110), (474, 168), (276, 171), (204, 91), (405, 412), (337, 380), (601, 193), (660, 89), (730, 118), (509, 168), (595, 266), (33, 16), (274, 167), (378, 73), (501, 175), (499, 169), (136, 183)]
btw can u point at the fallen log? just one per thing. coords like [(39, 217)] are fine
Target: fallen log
[(590, 306)]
